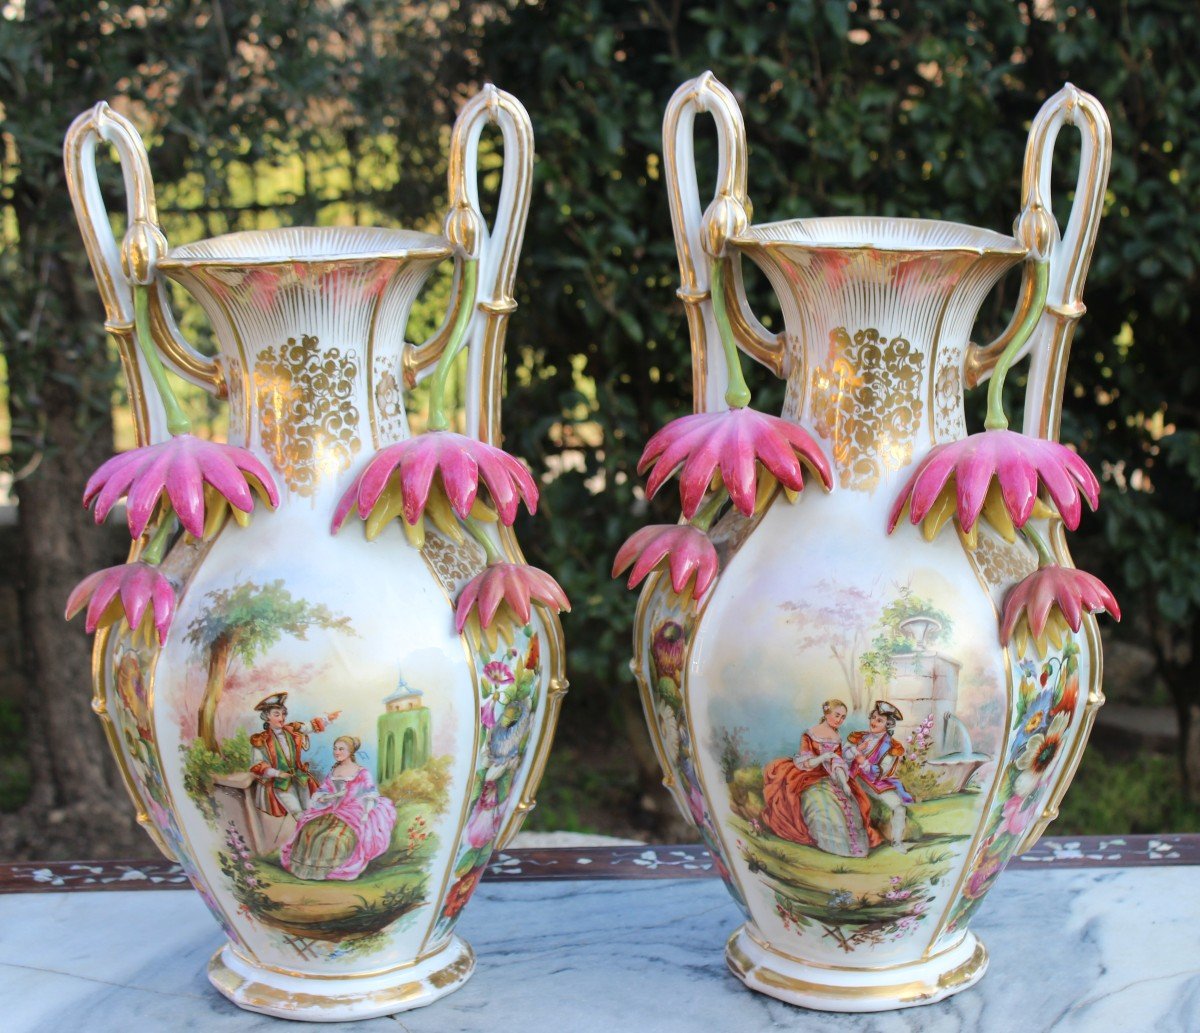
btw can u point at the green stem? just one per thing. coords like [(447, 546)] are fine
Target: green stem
[(479, 533), (462, 321), (996, 419), (1045, 556), (737, 395), (708, 513), (153, 553), (177, 422)]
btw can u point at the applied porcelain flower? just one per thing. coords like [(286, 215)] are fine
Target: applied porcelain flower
[(132, 591), (956, 479), (182, 467), (732, 442), (515, 585), (687, 551), (1049, 601), (402, 476)]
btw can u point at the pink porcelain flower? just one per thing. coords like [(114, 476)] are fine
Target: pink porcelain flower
[(734, 442), (126, 591), (687, 550), (515, 584), (180, 467), (966, 469), (459, 460), (1051, 597)]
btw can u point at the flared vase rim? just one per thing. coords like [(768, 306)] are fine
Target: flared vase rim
[(887, 234), (305, 245)]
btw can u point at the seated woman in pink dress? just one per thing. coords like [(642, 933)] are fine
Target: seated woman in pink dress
[(345, 825)]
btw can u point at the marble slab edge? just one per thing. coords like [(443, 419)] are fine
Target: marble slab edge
[(688, 861)]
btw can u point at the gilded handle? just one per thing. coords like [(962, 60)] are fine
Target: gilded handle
[(1069, 254), (495, 249), (118, 269), (701, 239)]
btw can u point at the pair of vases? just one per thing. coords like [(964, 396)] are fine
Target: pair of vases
[(332, 728)]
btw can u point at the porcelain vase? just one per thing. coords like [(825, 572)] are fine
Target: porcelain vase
[(837, 713), (330, 760)]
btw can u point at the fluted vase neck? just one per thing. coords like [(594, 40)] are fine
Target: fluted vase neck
[(309, 324), (878, 314)]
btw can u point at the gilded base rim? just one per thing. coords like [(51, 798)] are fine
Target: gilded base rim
[(340, 999), (823, 988)]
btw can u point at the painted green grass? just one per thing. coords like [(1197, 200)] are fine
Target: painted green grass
[(391, 886), (839, 891)]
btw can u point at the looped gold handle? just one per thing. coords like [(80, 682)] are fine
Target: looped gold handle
[(496, 250), (134, 263), (1069, 255), (702, 238)]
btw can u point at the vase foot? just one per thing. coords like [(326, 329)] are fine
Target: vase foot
[(827, 988), (313, 998)]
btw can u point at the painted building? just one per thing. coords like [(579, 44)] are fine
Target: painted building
[(925, 682), (404, 733)]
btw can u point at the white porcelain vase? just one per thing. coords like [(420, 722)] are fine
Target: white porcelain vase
[(837, 713), (328, 758)]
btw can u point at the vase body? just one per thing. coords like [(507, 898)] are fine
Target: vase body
[(857, 893), (339, 896)]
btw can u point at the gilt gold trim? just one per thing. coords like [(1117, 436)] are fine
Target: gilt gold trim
[(641, 631), (456, 839), (698, 236), (100, 687), (1095, 700), (998, 775), (1070, 256), (685, 692), (911, 992)]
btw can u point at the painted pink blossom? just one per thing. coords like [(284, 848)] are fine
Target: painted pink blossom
[(498, 673), (483, 826), (460, 462), (966, 468), (180, 467), (687, 551), (732, 442), (126, 591), (1018, 815), (487, 712), (1065, 589), (516, 584)]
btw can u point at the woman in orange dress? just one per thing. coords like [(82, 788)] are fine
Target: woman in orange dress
[(810, 798)]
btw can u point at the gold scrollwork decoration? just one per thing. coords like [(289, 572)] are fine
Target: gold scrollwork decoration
[(867, 404), (305, 400)]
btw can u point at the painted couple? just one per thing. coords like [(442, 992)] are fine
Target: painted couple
[(822, 796), (341, 823)]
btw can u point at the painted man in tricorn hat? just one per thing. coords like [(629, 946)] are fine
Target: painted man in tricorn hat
[(277, 758)]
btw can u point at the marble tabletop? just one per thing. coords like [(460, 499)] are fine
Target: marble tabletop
[(1072, 949)]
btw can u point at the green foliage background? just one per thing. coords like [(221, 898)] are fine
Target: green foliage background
[(334, 112), (909, 110)]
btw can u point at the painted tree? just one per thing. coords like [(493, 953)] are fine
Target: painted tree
[(841, 623), (241, 624)]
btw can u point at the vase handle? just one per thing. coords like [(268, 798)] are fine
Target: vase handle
[(118, 269), (702, 239), (496, 249), (1069, 254)]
